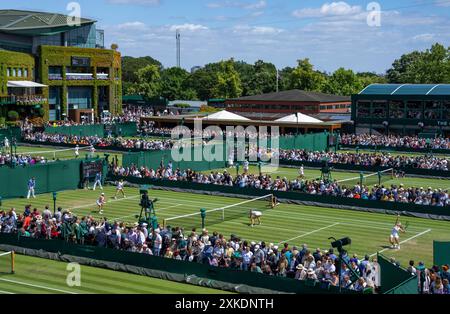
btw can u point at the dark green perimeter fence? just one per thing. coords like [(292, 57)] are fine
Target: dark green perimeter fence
[(441, 253), (394, 279), (153, 159), (14, 131), (50, 177), (77, 130), (101, 130), (111, 257), (294, 197)]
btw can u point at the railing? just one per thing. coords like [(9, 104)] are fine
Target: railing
[(79, 76), (23, 100), (55, 77), (102, 76)]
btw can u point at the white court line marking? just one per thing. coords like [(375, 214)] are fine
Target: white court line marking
[(311, 232), (94, 204), (6, 292), (404, 241), (36, 286), (290, 214), (158, 210)]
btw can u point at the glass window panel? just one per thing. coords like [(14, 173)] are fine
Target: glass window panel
[(363, 109), (379, 109), (432, 110), (396, 109), (446, 110), (414, 109)]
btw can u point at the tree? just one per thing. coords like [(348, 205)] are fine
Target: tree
[(174, 84), (285, 78), (228, 81), (422, 67), (304, 77), (368, 78), (131, 65), (148, 81), (202, 82), (343, 82)]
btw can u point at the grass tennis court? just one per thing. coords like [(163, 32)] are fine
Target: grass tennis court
[(42, 276), (294, 224), (53, 152)]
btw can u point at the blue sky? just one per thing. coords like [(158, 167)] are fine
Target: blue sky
[(332, 34)]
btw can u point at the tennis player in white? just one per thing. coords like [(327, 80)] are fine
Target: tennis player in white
[(77, 153), (301, 172), (119, 188), (255, 216), (395, 234), (100, 202), (246, 166)]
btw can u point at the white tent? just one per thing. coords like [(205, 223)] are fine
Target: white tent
[(26, 84), (302, 118), (225, 115)]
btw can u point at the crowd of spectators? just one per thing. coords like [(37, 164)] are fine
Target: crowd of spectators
[(200, 246), (395, 141), (105, 142), (369, 159), (21, 159), (355, 190)]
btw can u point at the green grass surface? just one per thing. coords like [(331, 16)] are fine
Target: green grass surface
[(292, 173), (38, 275), (294, 224)]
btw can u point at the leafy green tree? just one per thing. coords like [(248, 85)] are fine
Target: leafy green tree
[(174, 84), (131, 65), (422, 67), (202, 82), (343, 82), (148, 81), (285, 78), (304, 77), (228, 81)]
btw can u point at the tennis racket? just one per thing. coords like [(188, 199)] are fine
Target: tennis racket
[(406, 225)]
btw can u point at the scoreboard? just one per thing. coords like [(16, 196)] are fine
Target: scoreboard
[(90, 168)]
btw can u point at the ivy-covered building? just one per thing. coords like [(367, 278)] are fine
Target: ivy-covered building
[(407, 109), (52, 68)]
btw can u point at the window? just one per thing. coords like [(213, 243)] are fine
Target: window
[(446, 110), (25, 72), (363, 109), (414, 109), (80, 97), (396, 109), (379, 109), (14, 73), (8, 72), (19, 72), (432, 110)]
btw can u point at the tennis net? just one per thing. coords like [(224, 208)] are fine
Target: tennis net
[(375, 178), (221, 214), (7, 262)]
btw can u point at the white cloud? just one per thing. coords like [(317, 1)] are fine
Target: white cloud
[(132, 26), (188, 27), (256, 30), (238, 4), (442, 3), (138, 2), (340, 8), (424, 37)]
